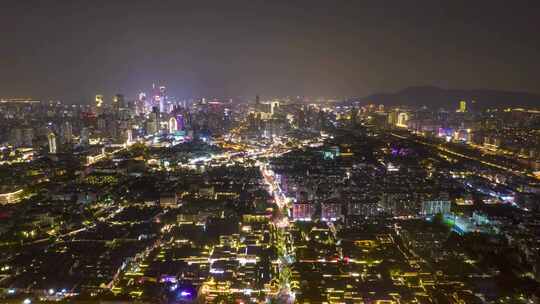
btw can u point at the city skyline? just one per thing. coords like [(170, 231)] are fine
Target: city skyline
[(269, 152)]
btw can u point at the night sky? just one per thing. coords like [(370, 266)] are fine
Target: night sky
[(71, 50)]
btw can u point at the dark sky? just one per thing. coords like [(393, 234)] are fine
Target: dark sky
[(71, 50)]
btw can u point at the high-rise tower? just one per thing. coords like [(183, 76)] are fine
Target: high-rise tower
[(162, 99), (118, 102), (99, 104), (85, 136), (173, 125), (142, 106), (462, 106), (52, 143), (66, 133)]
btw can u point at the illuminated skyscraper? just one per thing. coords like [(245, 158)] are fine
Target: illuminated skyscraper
[(118, 102), (392, 118), (142, 106), (462, 106), (173, 125), (99, 100), (162, 99), (52, 143), (99, 104), (402, 120), (152, 124)]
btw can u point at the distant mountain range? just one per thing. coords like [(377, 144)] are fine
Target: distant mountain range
[(449, 98)]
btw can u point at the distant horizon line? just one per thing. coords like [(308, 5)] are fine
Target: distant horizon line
[(308, 97)]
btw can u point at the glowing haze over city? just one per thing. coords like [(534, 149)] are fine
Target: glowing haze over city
[(371, 152)]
